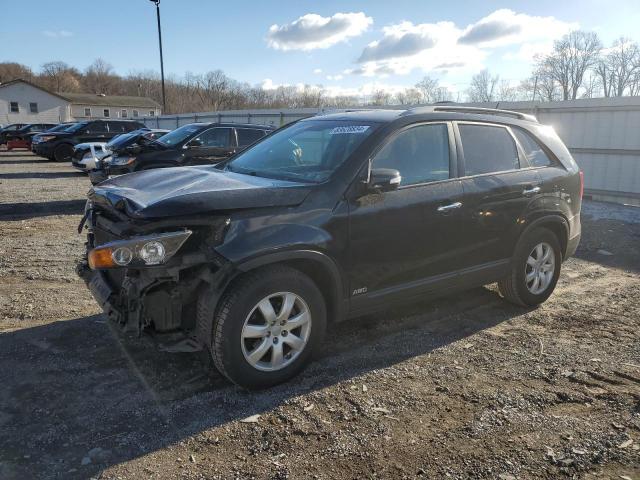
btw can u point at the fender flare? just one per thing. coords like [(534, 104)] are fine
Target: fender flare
[(329, 265), (551, 218)]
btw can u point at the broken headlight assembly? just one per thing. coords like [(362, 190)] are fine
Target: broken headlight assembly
[(137, 252)]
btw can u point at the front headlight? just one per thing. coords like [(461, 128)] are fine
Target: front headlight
[(122, 160), (138, 252), (46, 138)]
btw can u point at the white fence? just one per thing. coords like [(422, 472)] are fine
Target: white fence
[(603, 134)]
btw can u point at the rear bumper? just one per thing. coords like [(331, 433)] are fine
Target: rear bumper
[(11, 144)]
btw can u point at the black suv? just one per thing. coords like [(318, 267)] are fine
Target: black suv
[(192, 144), (4, 131), (330, 218), (59, 145)]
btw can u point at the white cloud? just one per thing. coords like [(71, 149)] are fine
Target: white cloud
[(317, 71), (312, 31), (335, 77), (443, 46), (57, 33), (506, 27), (428, 46)]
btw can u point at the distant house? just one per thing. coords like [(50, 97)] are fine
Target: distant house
[(24, 102)]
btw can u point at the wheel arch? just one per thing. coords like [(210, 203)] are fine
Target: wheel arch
[(318, 266), (557, 224)]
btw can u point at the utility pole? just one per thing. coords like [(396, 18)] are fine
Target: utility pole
[(164, 100)]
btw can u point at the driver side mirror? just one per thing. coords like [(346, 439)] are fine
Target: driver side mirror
[(194, 143), (384, 179)]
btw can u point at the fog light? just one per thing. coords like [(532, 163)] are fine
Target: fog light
[(152, 253), (122, 256)]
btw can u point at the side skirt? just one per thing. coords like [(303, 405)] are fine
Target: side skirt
[(430, 287)]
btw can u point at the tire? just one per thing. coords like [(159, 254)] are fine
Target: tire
[(63, 153), (516, 287), (239, 313)]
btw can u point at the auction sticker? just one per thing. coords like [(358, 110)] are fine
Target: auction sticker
[(349, 129)]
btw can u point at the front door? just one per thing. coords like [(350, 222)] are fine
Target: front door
[(211, 146), (401, 240), (498, 193), (94, 132)]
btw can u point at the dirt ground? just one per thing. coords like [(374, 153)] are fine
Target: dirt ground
[(462, 387)]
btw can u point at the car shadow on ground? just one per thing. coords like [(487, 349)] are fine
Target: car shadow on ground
[(23, 211), (77, 385), (21, 175)]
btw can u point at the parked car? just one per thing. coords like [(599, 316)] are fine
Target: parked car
[(9, 128), (59, 145), (331, 218), (21, 138), (90, 156), (193, 144)]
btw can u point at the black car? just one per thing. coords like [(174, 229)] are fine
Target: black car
[(27, 131), (331, 218), (102, 151), (9, 128), (192, 144), (59, 145)]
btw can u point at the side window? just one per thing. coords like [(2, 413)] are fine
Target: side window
[(420, 154), (13, 107), (532, 149), (117, 127), (87, 111), (33, 107), (215, 137), (97, 127), (247, 136), (106, 113), (487, 149)]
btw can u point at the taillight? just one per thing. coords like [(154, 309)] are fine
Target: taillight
[(581, 183)]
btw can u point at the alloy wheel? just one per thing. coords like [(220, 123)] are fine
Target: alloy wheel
[(540, 268)]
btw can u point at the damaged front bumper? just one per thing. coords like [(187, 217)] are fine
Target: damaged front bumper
[(180, 295)]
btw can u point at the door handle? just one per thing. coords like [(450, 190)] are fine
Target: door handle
[(531, 191), (448, 208)]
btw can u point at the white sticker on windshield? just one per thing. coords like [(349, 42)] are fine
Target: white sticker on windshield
[(349, 129)]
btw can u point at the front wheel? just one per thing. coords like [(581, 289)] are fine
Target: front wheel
[(63, 153), (267, 327), (535, 269)]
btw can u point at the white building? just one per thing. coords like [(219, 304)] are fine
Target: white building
[(24, 102)]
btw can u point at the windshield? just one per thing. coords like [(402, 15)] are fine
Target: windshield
[(309, 150), (76, 126), (179, 135), (121, 140), (57, 128)]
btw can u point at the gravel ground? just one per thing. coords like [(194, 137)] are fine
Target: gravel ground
[(462, 387)]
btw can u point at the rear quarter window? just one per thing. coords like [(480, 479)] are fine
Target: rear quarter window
[(247, 136), (535, 155)]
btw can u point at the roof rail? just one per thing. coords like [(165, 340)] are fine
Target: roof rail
[(479, 110)]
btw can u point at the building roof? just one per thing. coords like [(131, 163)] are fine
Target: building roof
[(94, 99), (109, 100)]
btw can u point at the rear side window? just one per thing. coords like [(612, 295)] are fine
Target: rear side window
[(215, 137), (420, 154), (97, 127), (487, 149), (117, 127), (247, 136), (532, 149)]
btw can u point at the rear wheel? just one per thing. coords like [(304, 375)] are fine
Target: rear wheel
[(63, 153), (535, 269), (267, 327)]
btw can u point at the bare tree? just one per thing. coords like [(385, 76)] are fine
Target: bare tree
[(59, 77), (507, 92), (617, 69), (408, 96), (380, 97), (483, 87), (572, 57), (99, 77), (12, 71)]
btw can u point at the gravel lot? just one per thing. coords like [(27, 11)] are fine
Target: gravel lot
[(463, 387)]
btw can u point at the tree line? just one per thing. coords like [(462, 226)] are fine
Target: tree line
[(579, 66)]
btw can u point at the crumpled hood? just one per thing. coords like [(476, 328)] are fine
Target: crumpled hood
[(167, 192)]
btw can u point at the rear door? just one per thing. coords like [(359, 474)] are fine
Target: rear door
[(500, 191), (402, 239), (213, 146), (116, 128)]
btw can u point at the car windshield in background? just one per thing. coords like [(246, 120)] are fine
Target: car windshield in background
[(76, 126), (309, 151), (121, 140), (179, 135)]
